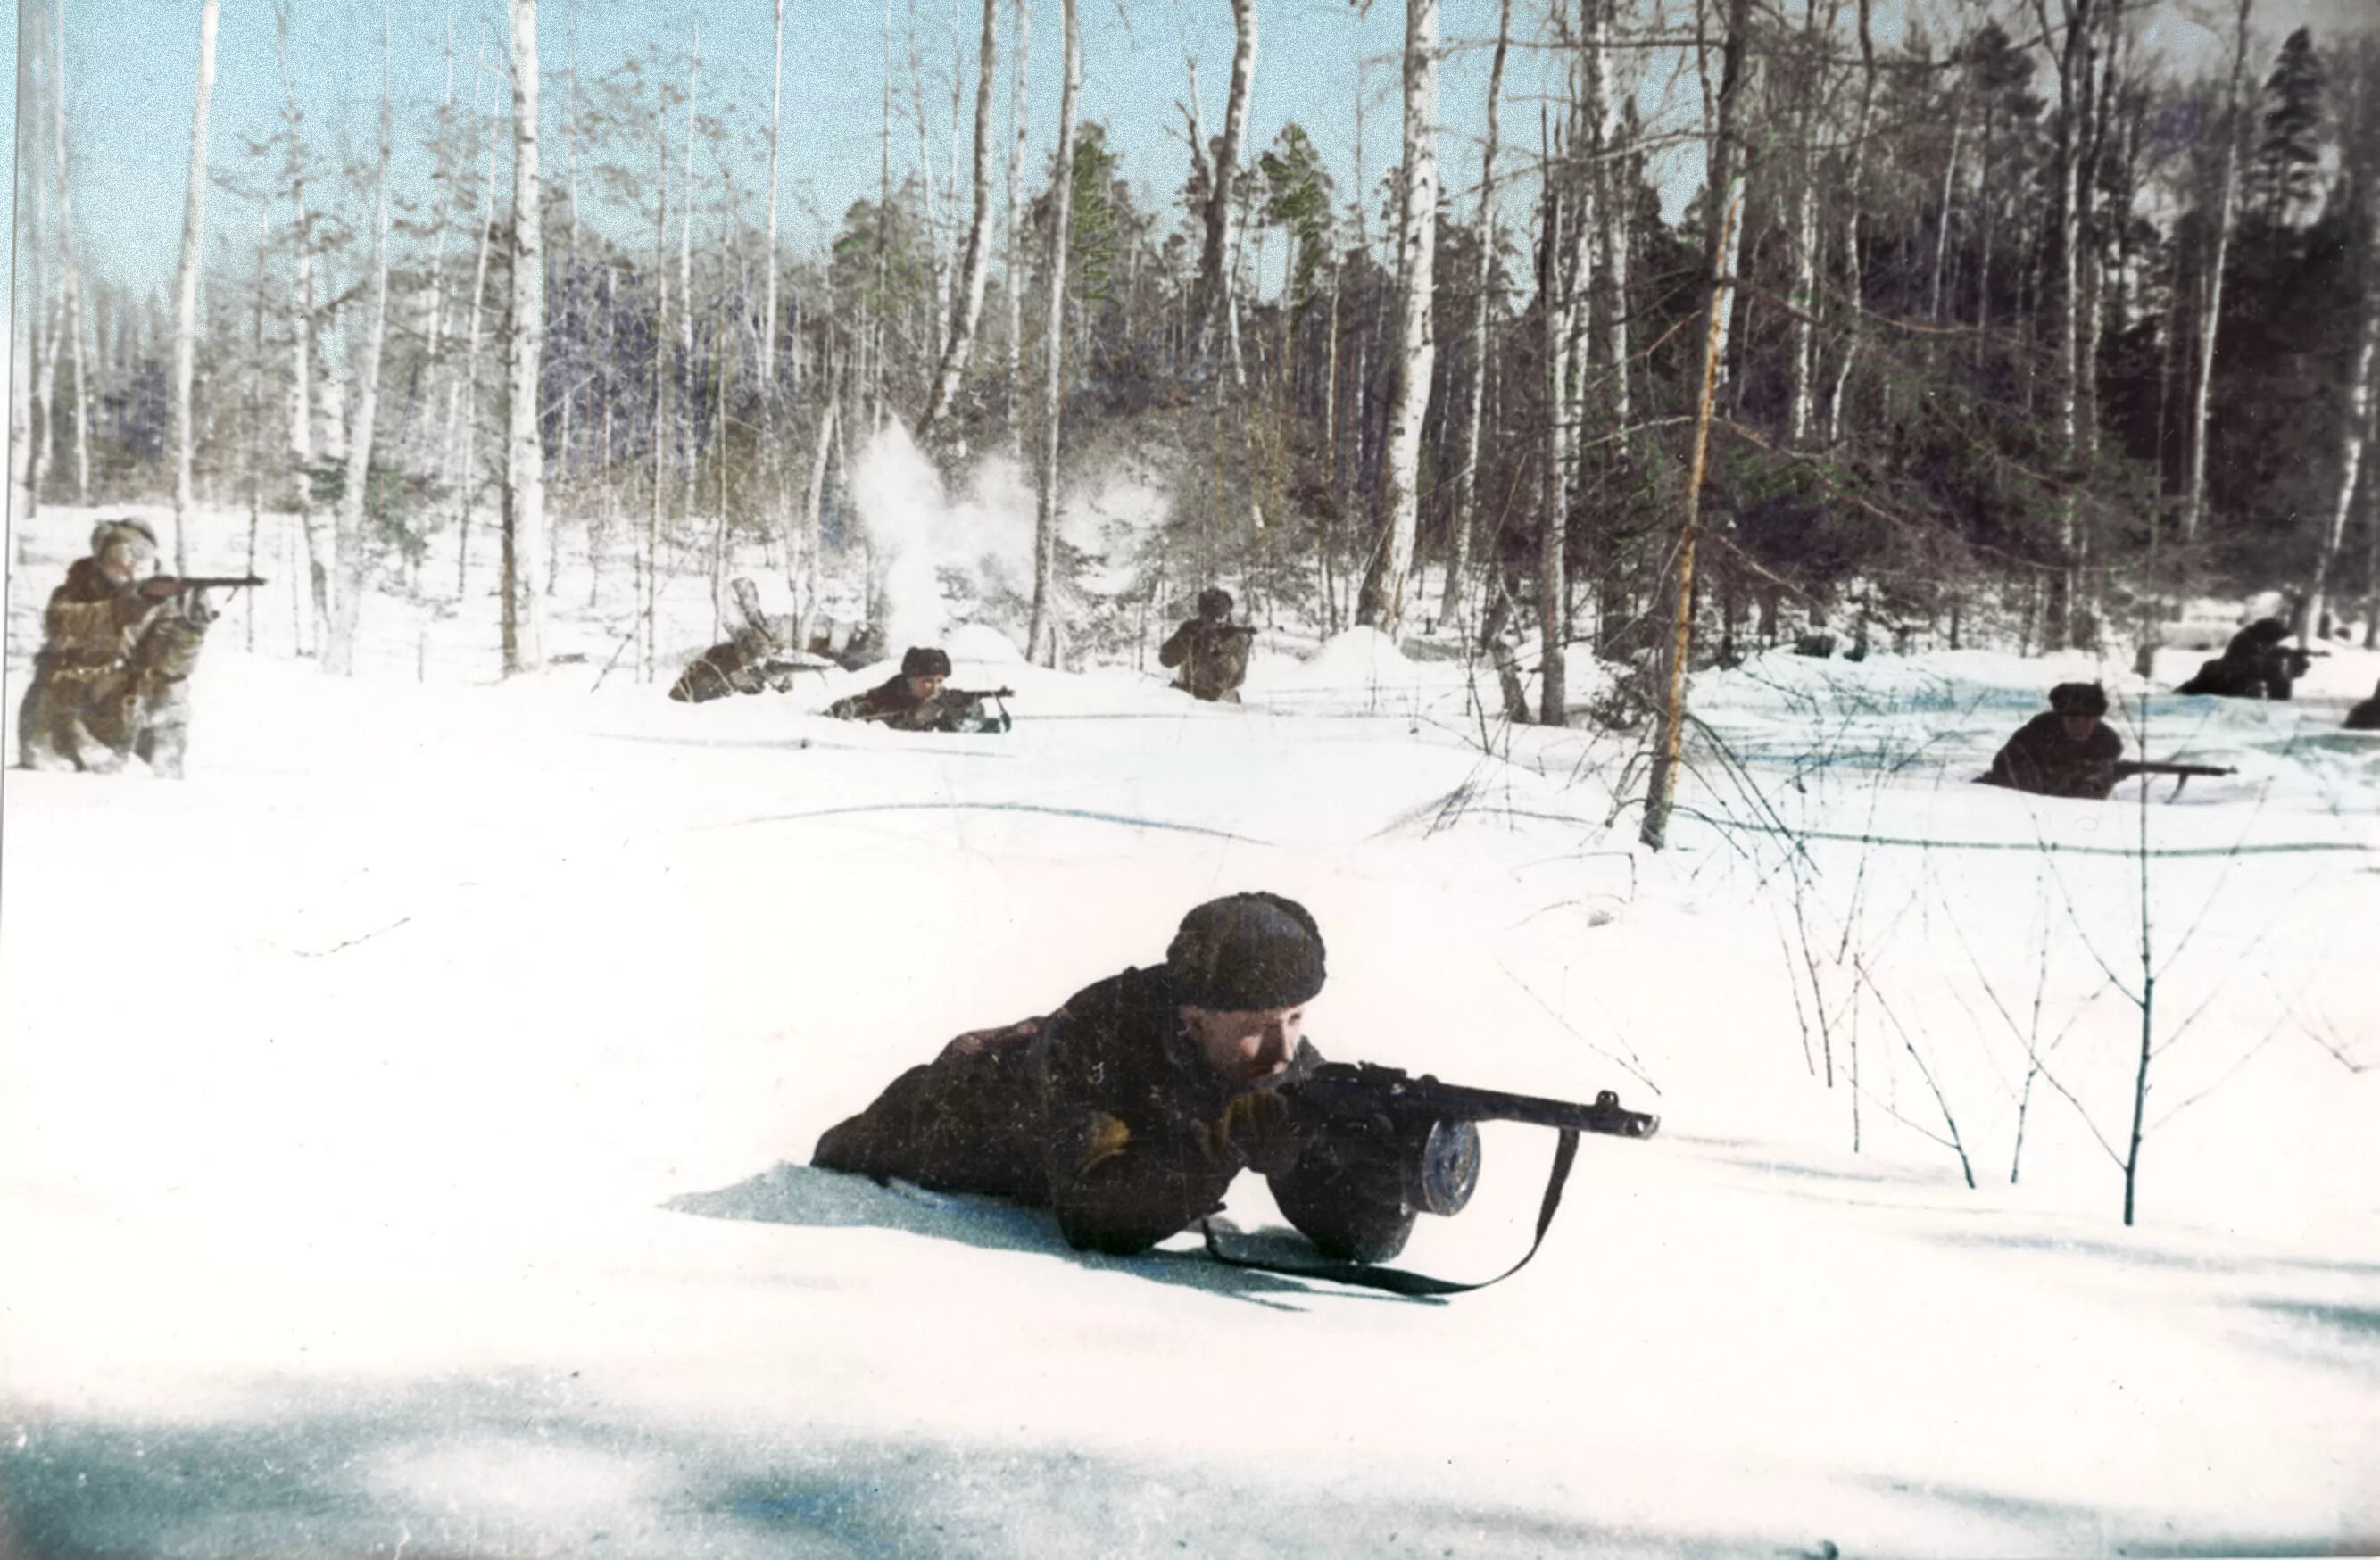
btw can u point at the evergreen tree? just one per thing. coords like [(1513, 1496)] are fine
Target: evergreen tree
[(2289, 155)]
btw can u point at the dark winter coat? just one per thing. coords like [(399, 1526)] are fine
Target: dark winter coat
[(2366, 715), (2043, 760), (2255, 665), (1103, 1111), (890, 704), (1212, 657)]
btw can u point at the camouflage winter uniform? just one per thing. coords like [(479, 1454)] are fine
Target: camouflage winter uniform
[(1105, 1113), (111, 677)]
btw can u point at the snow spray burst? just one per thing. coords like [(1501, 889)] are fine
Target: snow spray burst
[(918, 533)]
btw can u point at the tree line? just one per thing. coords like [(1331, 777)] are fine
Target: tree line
[(2007, 327)]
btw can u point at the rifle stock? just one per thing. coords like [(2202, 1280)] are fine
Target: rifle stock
[(217, 581)]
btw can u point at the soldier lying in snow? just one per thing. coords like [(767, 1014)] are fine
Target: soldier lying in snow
[(2366, 715), (112, 678), (1133, 1106), (2069, 753), (918, 698), (756, 660)]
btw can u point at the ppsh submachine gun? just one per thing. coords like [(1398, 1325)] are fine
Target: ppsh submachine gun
[(972, 698), (1421, 1137), (205, 581)]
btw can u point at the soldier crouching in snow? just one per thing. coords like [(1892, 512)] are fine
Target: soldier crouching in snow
[(1132, 1108), (2255, 665), (1210, 651), (112, 672), (2070, 751), (917, 701)]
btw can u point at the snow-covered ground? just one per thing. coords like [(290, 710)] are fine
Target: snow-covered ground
[(403, 1120)]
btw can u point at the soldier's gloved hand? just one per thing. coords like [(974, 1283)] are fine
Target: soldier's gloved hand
[(1265, 1130)]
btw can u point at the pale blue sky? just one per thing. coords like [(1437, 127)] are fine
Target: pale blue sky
[(131, 66)]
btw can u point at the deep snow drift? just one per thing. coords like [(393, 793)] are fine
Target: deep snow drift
[(403, 1120)]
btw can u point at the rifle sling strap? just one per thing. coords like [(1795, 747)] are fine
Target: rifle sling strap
[(1397, 1281)]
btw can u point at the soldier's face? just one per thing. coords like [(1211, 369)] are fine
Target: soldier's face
[(923, 689), (2079, 728), (1245, 1046), (120, 561)]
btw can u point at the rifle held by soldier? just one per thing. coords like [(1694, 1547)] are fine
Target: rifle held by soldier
[(1382, 1121), (2127, 768), (165, 585)]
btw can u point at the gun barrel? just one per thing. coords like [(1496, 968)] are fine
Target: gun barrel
[(1364, 1086)]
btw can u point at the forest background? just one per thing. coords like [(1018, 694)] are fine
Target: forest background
[(2017, 323)]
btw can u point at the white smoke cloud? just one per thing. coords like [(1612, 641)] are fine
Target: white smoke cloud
[(917, 530)]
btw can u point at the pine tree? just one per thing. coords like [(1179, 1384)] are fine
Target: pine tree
[(2289, 155)]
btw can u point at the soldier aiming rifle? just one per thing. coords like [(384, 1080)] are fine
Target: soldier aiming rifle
[(112, 678), (1131, 1109), (919, 700), (1209, 650)]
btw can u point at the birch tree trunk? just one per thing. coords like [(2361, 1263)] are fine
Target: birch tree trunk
[(2193, 501), (1803, 402), (525, 539), (70, 299), (340, 658), (1042, 636), (776, 120), (1453, 595), (444, 221), (933, 223), (1383, 602), (301, 373), (1855, 277), (2059, 632), (1211, 294), (27, 420), (1728, 179), (186, 286), (1612, 233), (661, 373), (463, 441), (1015, 290), (1942, 220), (1553, 530), (970, 308), (687, 381)]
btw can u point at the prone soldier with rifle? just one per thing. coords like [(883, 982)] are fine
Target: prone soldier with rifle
[(1131, 1109), (918, 699), (2072, 751), (112, 678)]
